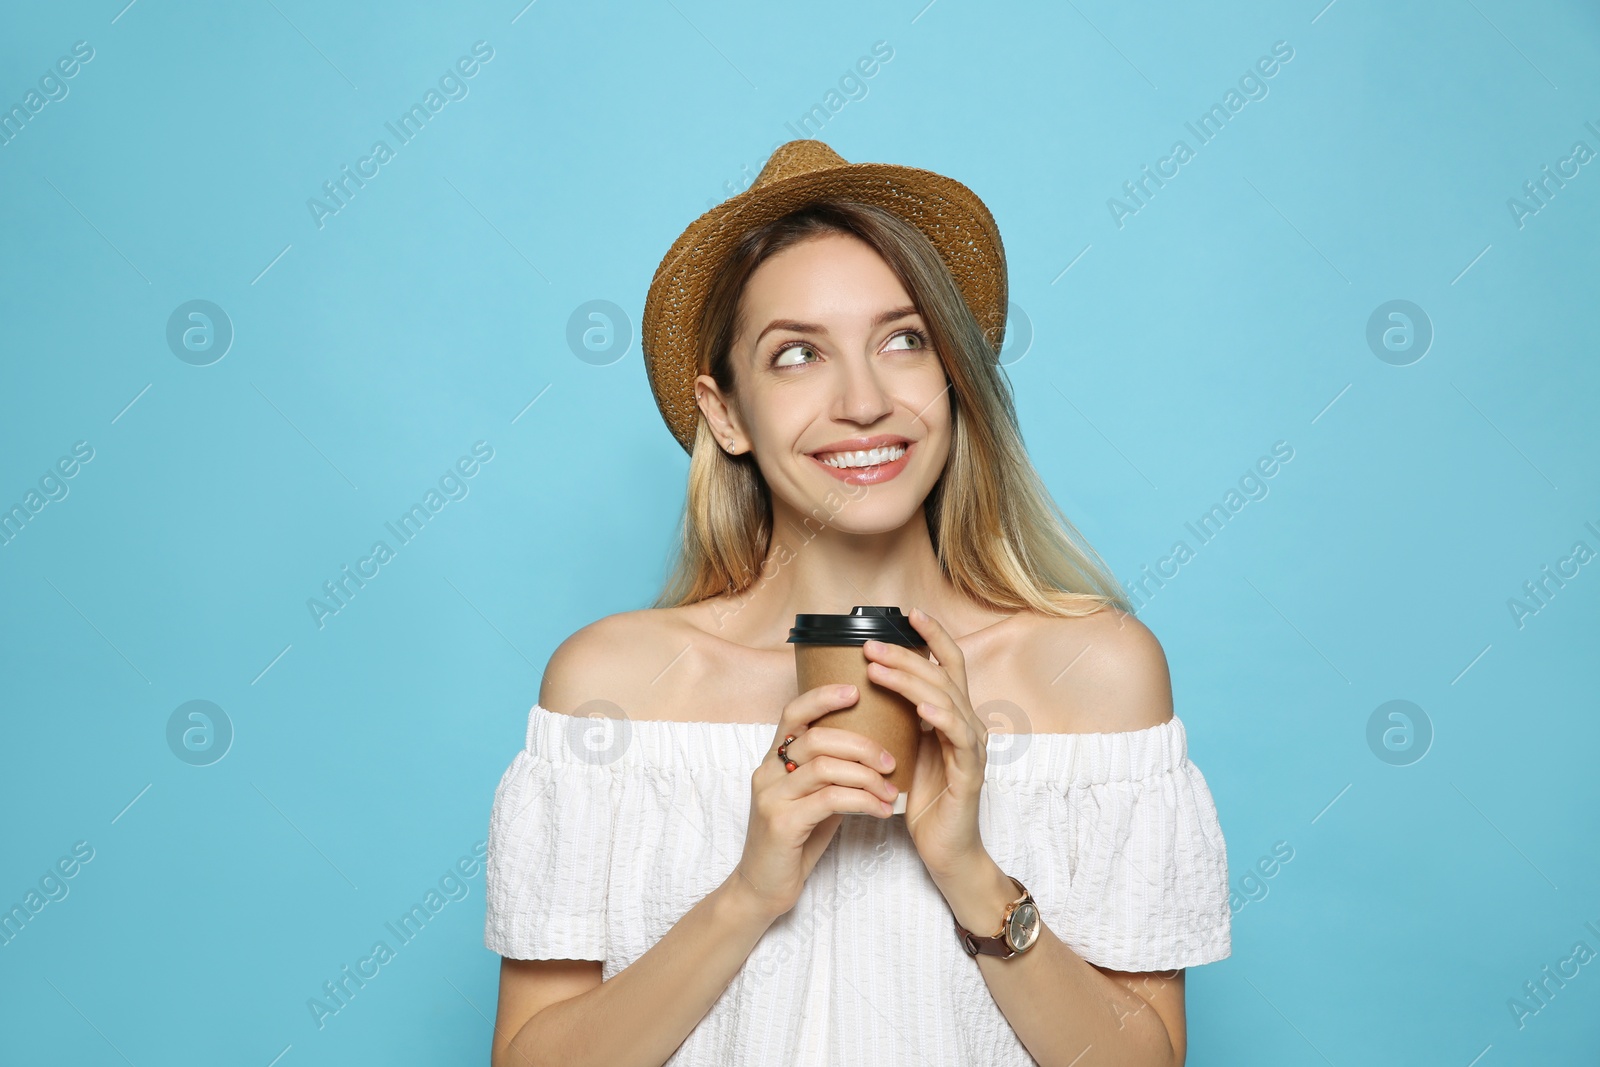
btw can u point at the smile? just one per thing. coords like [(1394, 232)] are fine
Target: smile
[(867, 467)]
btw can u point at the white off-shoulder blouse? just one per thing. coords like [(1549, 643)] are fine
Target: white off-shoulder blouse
[(605, 832)]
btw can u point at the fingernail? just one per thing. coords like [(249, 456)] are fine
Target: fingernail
[(893, 792), (886, 761), (847, 690)]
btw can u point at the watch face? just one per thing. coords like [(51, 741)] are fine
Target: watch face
[(1023, 927)]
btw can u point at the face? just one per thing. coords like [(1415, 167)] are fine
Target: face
[(838, 392)]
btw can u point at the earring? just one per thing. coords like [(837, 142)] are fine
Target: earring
[(730, 444)]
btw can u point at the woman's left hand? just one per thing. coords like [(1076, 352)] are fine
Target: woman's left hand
[(942, 807)]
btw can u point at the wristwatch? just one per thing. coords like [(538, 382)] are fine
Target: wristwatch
[(1019, 929)]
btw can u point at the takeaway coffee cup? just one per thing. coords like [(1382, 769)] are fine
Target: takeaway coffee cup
[(827, 651)]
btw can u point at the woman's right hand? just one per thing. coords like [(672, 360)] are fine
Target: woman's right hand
[(794, 814)]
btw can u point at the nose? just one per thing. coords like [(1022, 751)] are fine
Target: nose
[(861, 398)]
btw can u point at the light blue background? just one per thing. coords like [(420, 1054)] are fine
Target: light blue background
[(1228, 314)]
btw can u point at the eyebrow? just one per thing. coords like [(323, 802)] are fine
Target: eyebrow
[(796, 326)]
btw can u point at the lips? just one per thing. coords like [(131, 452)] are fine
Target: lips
[(868, 475), (862, 444)]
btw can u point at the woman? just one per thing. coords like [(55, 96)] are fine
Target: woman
[(679, 884)]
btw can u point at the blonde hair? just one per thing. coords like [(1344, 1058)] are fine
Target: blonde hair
[(998, 535)]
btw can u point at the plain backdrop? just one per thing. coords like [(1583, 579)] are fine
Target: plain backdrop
[(1381, 259)]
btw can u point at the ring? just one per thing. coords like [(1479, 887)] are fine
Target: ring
[(783, 754)]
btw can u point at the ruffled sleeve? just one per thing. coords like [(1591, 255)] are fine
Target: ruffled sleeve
[(1135, 871), (549, 855)]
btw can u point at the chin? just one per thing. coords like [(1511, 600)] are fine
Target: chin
[(866, 509)]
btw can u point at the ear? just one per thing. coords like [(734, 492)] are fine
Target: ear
[(720, 413)]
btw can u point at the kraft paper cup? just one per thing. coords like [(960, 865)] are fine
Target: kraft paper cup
[(828, 651)]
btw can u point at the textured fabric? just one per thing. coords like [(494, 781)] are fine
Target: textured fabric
[(604, 833)]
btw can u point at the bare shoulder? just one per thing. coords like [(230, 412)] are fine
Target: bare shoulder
[(1100, 673), (613, 659)]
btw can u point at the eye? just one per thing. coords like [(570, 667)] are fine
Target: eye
[(780, 357), (917, 337)]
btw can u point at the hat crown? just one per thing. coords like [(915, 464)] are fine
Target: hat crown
[(796, 175), (798, 157)]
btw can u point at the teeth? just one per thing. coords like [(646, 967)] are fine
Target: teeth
[(870, 458)]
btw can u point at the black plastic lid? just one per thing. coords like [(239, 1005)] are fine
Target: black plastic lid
[(864, 623)]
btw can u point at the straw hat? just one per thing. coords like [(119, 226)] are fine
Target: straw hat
[(798, 173)]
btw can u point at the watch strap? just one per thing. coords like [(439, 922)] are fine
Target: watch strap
[(997, 945)]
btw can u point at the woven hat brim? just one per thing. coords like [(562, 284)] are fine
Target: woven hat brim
[(951, 215)]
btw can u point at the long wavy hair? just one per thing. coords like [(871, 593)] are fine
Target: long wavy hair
[(999, 536)]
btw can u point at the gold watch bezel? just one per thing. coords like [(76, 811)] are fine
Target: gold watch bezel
[(1021, 919)]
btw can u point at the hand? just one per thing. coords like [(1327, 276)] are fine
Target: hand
[(794, 814), (942, 807)]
